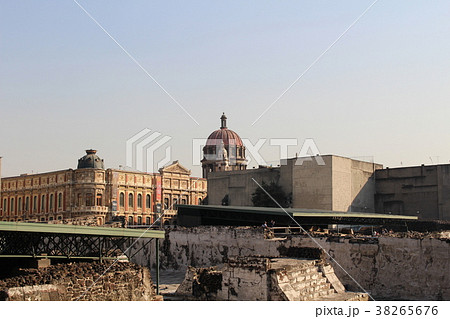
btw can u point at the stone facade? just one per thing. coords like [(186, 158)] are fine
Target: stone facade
[(66, 282), (337, 183), (100, 193), (422, 191)]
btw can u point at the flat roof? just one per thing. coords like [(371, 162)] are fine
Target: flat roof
[(80, 230), (299, 212)]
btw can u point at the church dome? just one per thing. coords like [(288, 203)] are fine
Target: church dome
[(227, 136), (91, 160), (224, 151)]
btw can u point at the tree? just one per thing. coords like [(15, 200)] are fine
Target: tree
[(261, 199)]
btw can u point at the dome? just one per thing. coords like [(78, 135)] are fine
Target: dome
[(91, 160), (227, 136)]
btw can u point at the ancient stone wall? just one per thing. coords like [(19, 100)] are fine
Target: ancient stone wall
[(123, 281), (387, 267)]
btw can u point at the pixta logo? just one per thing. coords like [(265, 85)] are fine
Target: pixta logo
[(141, 150)]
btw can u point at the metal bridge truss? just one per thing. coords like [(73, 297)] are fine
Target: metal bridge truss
[(56, 245)]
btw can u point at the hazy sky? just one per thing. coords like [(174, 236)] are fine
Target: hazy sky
[(382, 91)]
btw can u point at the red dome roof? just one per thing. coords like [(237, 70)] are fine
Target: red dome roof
[(228, 137)]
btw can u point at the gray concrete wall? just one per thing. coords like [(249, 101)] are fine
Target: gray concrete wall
[(342, 184), (388, 268), (312, 184), (422, 191), (363, 186), (238, 185)]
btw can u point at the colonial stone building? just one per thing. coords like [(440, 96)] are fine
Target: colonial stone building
[(224, 151), (91, 191)]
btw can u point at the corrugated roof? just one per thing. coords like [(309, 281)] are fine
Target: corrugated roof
[(79, 230), (299, 212)]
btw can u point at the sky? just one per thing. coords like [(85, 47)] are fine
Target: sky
[(381, 92)]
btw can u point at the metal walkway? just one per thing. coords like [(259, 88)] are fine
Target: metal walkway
[(34, 240)]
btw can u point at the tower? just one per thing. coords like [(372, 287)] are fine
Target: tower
[(224, 150)]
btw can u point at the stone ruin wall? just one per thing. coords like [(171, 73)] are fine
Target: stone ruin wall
[(67, 282), (387, 267)]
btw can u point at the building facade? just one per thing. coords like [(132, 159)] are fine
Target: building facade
[(327, 182), (91, 191), (422, 191)]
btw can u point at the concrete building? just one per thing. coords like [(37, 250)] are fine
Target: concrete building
[(326, 182), (95, 193), (423, 191)]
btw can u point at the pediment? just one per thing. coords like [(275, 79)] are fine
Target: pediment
[(175, 167)]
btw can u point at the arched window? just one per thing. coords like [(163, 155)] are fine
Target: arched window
[(5, 205), (139, 201), (60, 199), (19, 205), (35, 206), (27, 204), (42, 203), (147, 220), (148, 201), (130, 200), (183, 201), (130, 220), (139, 220), (11, 205), (122, 199), (51, 202)]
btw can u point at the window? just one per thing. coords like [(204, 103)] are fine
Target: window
[(130, 200), (130, 220), (5, 205), (147, 220), (27, 204), (148, 201), (42, 203), (122, 200), (35, 207), (51, 203), (89, 199), (11, 206), (183, 201), (166, 203), (99, 199), (139, 220), (80, 200), (60, 199), (19, 205), (139, 201)]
